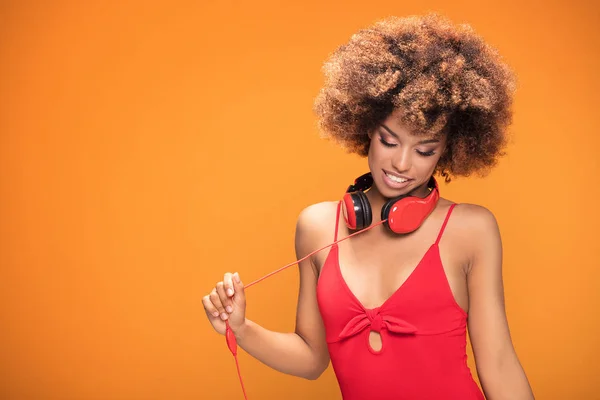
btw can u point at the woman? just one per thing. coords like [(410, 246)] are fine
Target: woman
[(418, 97)]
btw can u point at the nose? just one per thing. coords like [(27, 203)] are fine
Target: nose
[(402, 159)]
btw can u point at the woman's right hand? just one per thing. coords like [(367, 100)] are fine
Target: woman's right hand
[(226, 302)]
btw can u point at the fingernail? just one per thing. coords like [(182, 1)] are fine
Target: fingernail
[(230, 292), (216, 313), (229, 309), (223, 316), (236, 277)]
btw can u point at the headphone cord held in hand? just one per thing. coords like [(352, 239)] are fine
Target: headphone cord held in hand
[(230, 337)]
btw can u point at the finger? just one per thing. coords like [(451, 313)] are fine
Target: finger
[(226, 301), (238, 287), (228, 283), (209, 307), (216, 300)]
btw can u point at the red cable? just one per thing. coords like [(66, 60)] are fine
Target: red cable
[(230, 337)]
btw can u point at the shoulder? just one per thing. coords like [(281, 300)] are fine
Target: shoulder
[(317, 217), (474, 218), (315, 226), (477, 228)]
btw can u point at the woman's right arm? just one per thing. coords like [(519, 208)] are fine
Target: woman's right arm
[(301, 353)]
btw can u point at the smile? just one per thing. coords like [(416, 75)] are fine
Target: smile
[(395, 178)]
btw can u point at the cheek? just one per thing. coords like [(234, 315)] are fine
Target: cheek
[(372, 151), (376, 150), (427, 164)]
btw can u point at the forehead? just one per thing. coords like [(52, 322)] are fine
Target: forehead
[(396, 124)]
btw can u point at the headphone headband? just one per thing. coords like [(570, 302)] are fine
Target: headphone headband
[(361, 183)]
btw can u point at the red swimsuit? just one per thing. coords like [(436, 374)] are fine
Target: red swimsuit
[(422, 328)]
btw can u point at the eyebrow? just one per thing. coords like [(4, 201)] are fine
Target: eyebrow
[(425, 141)]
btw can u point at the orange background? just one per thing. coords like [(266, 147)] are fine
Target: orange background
[(148, 148)]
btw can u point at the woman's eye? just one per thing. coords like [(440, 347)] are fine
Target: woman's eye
[(387, 144), (426, 153)]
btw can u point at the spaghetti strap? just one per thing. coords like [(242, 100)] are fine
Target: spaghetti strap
[(444, 224), (337, 220)]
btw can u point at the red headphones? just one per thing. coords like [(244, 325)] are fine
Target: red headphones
[(404, 214)]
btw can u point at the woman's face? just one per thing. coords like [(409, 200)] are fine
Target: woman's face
[(401, 162)]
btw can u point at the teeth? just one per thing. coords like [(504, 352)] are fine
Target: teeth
[(396, 179)]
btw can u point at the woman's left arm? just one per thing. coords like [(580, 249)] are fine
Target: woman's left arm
[(500, 372)]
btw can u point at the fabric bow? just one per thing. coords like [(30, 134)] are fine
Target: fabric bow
[(377, 322)]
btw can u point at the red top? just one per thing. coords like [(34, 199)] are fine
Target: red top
[(423, 334)]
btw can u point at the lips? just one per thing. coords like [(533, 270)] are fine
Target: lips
[(393, 183), (399, 176)]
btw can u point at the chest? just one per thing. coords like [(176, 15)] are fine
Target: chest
[(374, 266)]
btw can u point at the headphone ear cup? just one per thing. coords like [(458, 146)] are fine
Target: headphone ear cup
[(406, 214), (394, 206), (351, 208), (357, 210), (385, 210), (366, 215)]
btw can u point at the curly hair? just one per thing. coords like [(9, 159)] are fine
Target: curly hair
[(442, 78)]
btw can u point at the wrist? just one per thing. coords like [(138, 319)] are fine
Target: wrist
[(240, 331)]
